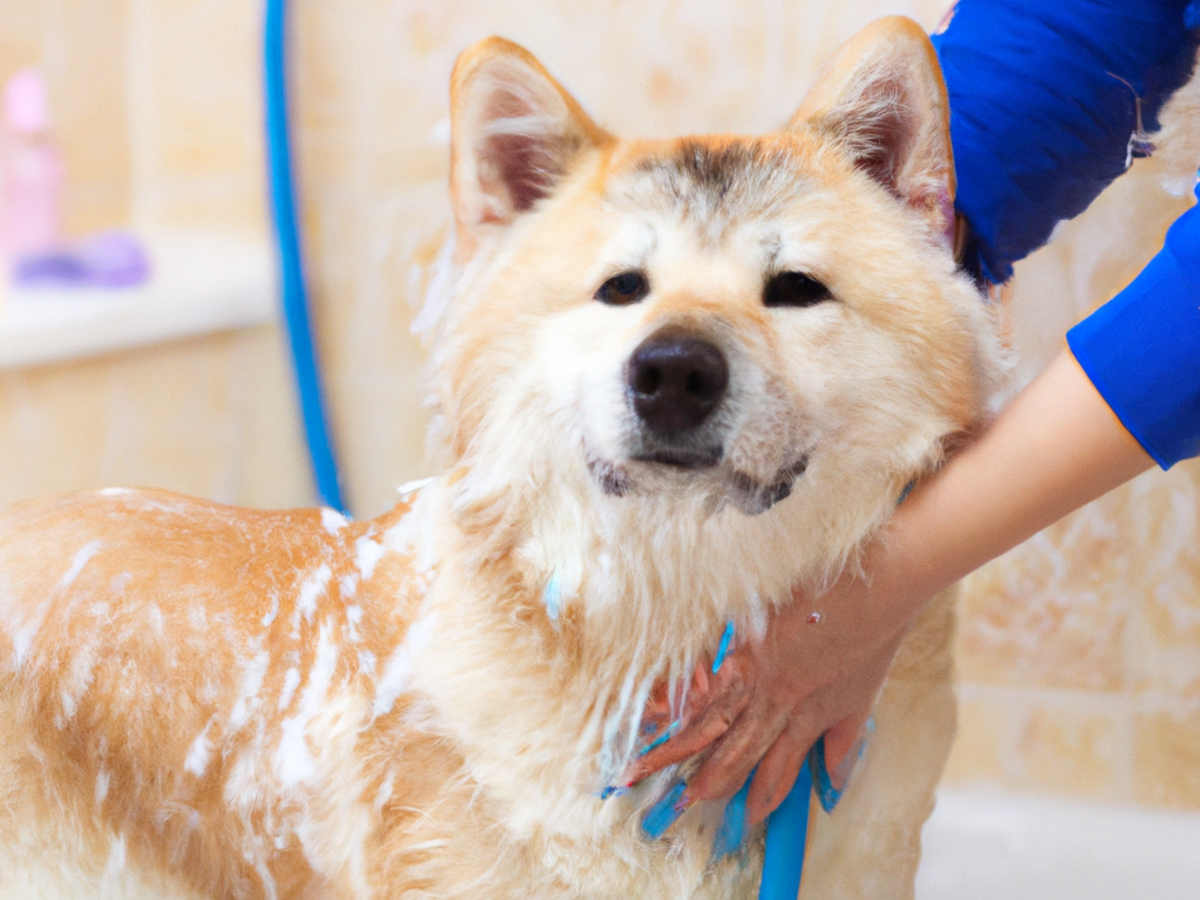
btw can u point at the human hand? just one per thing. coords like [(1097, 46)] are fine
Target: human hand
[(812, 674)]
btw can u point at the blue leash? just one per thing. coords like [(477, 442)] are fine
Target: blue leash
[(291, 273)]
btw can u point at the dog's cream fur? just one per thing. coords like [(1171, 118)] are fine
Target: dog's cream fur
[(201, 701)]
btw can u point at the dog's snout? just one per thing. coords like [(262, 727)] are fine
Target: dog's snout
[(676, 381)]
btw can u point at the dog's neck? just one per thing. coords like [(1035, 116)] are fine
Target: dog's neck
[(557, 608), (581, 610)]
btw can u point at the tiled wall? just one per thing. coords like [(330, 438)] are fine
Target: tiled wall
[(1080, 652), (210, 416)]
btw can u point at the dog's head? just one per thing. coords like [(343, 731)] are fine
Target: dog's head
[(763, 330)]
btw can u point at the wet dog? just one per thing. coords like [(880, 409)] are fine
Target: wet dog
[(673, 379)]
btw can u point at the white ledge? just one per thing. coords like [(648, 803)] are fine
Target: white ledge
[(199, 283)]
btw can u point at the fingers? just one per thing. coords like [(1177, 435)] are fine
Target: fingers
[(714, 703), (738, 751), (685, 743), (777, 773)]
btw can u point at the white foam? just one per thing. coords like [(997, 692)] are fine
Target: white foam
[(198, 754), (366, 662), (269, 618), (312, 590), (333, 520), (85, 553), (384, 794), (399, 667), (22, 638), (294, 763), (252, 681), (78, 679), (354, 615), (291, 681), (157, 622), (368, 553), (409, 488)]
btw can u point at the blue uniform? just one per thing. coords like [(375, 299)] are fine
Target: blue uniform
[(1045, 103), (1142, 348)]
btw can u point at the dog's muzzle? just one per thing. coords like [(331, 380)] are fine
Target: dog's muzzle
[(675, 381)]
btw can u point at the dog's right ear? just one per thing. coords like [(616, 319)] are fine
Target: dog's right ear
[(514, 132)]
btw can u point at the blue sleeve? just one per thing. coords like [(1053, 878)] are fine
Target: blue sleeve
[(1142, 349), (1044, 101)]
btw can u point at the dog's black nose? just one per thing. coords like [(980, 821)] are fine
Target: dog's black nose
[(676, 381)]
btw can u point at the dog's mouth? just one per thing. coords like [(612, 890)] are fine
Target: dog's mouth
[(616, 480), (682, 457), (753, 496)]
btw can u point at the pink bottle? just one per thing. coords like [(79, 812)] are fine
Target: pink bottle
[(31, 171)]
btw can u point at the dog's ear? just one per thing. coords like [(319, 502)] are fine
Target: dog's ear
[(514, 132), (883, 100)]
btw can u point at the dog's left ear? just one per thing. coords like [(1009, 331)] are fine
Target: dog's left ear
[(514, 132), (883, 100)]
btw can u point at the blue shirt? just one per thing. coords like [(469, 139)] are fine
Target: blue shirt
[(1142, 349), (1044, 100)]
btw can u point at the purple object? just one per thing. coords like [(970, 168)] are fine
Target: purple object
[(113, 259)]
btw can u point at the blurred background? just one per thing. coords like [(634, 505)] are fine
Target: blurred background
[(1079, 653)]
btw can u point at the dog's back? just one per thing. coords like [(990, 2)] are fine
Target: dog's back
[(179, 675)]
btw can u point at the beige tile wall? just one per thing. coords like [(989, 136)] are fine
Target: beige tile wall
[(1079, 652), (192, 78), (210, 416)]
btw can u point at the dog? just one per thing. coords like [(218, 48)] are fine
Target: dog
[(673, 379)]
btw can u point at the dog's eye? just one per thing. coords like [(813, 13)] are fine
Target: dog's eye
[(623, 289), (794, 289)]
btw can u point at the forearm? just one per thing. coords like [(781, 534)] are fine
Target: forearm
[(1056, 447)]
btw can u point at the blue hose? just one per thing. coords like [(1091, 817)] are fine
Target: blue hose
[(291, 271), (787, 835)]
